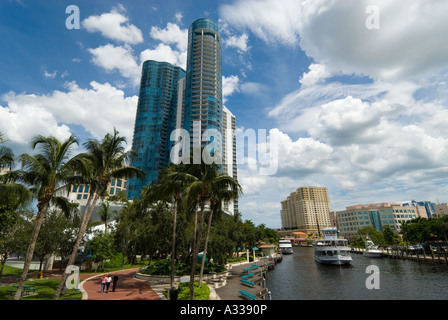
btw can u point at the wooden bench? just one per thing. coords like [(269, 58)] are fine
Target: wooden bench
[(12, 292), (247, 282), (247, 295), (248, 275)]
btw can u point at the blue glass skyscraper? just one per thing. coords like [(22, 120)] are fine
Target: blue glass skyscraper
[(154, 122), (203, 88)]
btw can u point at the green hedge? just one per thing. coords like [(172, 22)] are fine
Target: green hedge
[(202, 293), (163, 268)]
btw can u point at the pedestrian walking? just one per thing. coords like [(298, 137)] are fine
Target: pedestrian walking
[(103, 283), (108, 280), (114, 283)]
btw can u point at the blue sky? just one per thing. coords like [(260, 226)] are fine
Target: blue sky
[(356, 99)]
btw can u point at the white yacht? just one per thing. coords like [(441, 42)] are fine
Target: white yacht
[(330, 249), (372, 250), (285, 246)]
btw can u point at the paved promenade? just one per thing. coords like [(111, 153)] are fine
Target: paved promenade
[(128, 288)]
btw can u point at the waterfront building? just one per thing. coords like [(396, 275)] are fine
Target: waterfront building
[(429, 206), (203, 86), (156, 118), (171, 98), (376, 215), (229, 154), (307, 210), (441, 209), (116, 188)]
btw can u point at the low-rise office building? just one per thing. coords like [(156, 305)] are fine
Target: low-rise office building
[(376, 215)]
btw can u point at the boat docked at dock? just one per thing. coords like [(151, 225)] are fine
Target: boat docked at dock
[(372, 250), (331, 249), (285, 246)]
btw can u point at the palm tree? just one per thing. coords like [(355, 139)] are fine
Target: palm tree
[(105, 159), (170, 186), (12, 194), (46, 173), (221, 188), (6, 157), (209, 186), (105, 213)]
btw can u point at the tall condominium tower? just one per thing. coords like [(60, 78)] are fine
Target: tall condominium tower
[(229, 154), (155, 120), (203, 85), (307, 209)]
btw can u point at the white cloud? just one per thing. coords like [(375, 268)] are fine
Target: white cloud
[(98, 110), (238, 42), (178, 17), (114, 25), (165, 53), (316, 74), (229, 86), (334, 33), (271, 20), (50, 75), (172, 34), (119, 58)]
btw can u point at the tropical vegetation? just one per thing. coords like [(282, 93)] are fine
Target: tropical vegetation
[(177, 224)]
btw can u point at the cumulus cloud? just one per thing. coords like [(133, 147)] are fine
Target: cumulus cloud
[(334, 33), (316, 74), (172, 34), (28, 115), (114, 25), (229, 86), (165, 53), (117, 58), (239, 42), (271, 20)]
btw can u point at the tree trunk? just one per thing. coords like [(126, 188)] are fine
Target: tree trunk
[(173, 245), (85, 221), (30, 252), (194, 254), (205, 246)]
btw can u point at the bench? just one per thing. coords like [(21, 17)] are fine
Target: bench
[(247, 282), (11, 292), (247, 295), (248, 275), (30, 290)]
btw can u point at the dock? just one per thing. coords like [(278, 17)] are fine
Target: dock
[(415, 255), (246, 281)]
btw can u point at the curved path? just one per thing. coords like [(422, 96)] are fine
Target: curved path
[(128, 288)]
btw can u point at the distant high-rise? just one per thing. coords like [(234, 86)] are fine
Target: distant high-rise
[(155, 120), (307, 209), (229, 154), (203, 87)]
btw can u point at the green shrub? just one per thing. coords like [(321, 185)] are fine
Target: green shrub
[(202, 293), (163, 268)]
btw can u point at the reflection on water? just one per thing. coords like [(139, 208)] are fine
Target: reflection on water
[(299, 277)]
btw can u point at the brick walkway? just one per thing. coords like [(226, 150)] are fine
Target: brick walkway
[(128, 288)]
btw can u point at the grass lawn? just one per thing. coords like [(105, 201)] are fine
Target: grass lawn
[(45, 291), (47, 287)]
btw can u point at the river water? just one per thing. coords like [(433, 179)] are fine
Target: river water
[(299, 277)]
